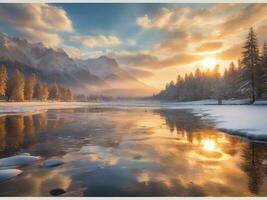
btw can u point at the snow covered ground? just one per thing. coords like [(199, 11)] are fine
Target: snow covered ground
[(11, 108), (224, 102)]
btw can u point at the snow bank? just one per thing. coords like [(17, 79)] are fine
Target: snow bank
[(249, 121), (260, 102), (215, 102), (11, 108)]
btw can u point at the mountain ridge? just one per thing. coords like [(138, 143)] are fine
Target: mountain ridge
[(100, 75)]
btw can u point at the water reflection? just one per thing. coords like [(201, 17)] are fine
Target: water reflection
[(209, 145), (216, 146), (17, 132), (133, 152)]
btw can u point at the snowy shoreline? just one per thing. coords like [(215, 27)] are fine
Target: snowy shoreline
[(224, 102), (14, 108), (246, 121), (235, 117)]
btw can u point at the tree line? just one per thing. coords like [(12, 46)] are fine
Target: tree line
[(246, 80), (18, 88)]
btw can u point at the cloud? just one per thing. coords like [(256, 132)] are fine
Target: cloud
[(231, 53), (179, 19), (37, 22), (180, 59), (209, 46), (168, 19), (178, 41), (249, 16), (261, 33), (153, 62), (131, 42), (96, 41), (48, 38)]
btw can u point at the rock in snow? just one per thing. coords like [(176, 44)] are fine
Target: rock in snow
[(19, 160), (52, 163), (7, 174)]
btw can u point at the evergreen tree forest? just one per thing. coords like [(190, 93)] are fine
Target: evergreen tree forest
[(18, 88), (246, 79)]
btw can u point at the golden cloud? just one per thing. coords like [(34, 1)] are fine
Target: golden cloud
[(96, 41), (37, 22), (231, 53), (209, 46), (250, 15), (153, 62)]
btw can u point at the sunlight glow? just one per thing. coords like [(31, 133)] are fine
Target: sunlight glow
[(209, 63), (209, 145)]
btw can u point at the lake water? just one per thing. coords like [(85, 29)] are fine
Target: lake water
[(131, 152)]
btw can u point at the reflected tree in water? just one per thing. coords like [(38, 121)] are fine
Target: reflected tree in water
[(2, 133), (15, 130), (21, 131), (40, 122), (29, 130), (182, 122), (253, 165)]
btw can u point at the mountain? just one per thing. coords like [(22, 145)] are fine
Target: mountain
[(101, 76), (118, 79)]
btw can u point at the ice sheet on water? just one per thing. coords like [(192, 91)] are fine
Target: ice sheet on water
[(6, 174), (52, 163), (17, 161)]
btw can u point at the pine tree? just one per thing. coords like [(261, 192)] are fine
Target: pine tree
[(63, 93), (29, 87), (54, 92), (15, 87), (3, 80), (264, 67), (41, 91), (252, 83), (69, 95), (44, 92)]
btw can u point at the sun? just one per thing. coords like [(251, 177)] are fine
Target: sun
[(209, 63)]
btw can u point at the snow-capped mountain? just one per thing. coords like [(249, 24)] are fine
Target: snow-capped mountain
[(35, 55), (103, 67), (100, 75)]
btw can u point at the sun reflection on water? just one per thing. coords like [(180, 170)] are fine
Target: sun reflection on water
[(209, 145)]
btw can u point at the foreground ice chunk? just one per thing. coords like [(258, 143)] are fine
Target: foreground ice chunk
[(52, 163), (6, 174), (20, 160)]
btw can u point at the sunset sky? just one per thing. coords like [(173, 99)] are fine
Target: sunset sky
[(154, 42)]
